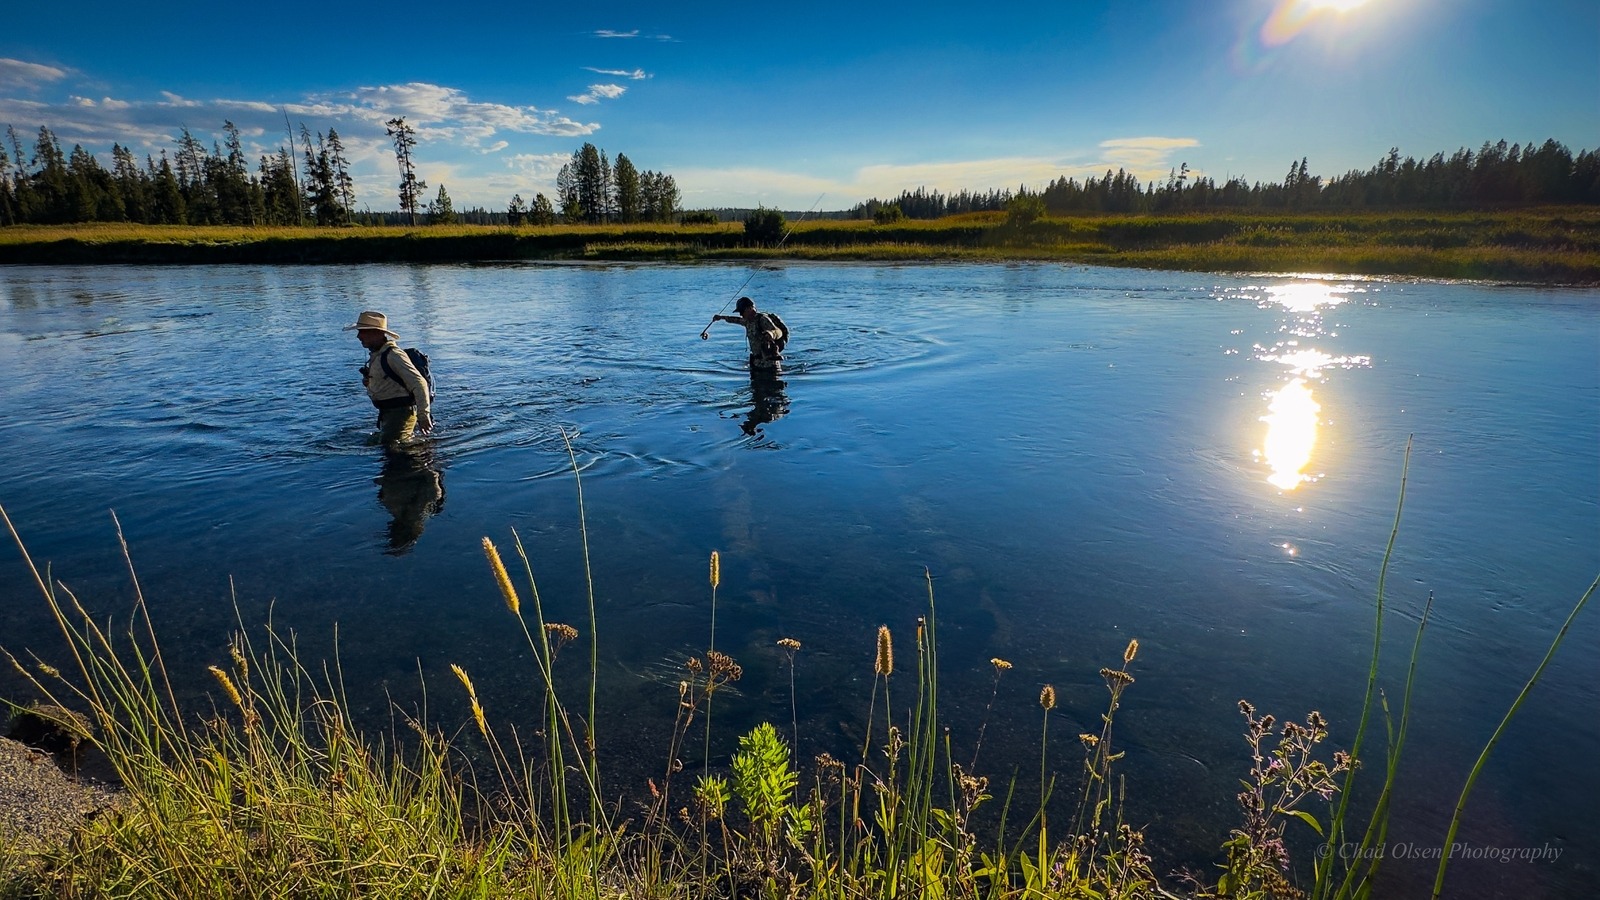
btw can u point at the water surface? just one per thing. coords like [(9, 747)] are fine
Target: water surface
[(1078, 456)]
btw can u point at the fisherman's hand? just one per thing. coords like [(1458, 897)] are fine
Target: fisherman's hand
[(425, 424)]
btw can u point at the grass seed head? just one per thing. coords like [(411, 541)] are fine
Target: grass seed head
[(472, 693), (716, 569), (501, 578), (884, 665), (1128, 654), (227, 686), (1047, 697)]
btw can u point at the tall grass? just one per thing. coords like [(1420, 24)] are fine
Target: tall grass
[(273, 791), (1557, 245)]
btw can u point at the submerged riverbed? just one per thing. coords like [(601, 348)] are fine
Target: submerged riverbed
[(1078, 456)]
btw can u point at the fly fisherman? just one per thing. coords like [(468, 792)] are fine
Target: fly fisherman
[(393, 383), (765, 332)]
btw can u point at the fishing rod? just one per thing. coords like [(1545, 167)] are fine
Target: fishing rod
[(706, 334)]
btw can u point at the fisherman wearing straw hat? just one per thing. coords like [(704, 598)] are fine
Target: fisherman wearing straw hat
[(393, 383)]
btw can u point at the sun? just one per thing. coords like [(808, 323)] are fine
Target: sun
[(1290, 17), (1340, 6)]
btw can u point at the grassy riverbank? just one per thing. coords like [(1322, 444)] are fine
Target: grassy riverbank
[(1545, 246)]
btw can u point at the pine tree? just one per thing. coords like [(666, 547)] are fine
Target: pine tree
[(629, 196), (542, 213), (567, 192), (344, 186), (411, 188), (166, 194), (8, 209), (440, 211), (280, 190), (516, 211)]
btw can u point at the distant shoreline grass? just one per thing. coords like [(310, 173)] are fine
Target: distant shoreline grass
[(1553, 246)]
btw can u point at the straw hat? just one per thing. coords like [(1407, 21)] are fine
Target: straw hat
[(374, 320)]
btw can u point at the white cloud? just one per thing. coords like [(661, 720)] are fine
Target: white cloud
[(437, 110), (611, 33), (636, 74), (496, 147), (1144, 156), (598, 92), (16, 73)]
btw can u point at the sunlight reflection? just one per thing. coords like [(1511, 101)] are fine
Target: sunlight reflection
[(1291, 433), (1306, 296)]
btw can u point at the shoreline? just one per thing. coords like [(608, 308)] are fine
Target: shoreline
[(1557, 247)]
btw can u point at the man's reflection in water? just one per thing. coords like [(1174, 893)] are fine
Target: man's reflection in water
[(411, 487), (769, 401)]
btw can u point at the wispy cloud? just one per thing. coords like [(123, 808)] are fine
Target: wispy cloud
[(628, 35), (636, 74), (1145, 156), (598, 92), (446, 108), (15, 73)]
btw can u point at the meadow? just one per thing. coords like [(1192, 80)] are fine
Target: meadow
[(1539, 246)]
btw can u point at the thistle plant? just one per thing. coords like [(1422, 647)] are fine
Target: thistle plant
[(1282, 780)]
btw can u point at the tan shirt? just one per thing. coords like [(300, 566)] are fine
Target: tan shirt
[(381, 387)]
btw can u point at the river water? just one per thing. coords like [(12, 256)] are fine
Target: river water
[(1077, 456)]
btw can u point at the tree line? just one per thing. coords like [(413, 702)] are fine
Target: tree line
[(306, 182), (1496, 175)]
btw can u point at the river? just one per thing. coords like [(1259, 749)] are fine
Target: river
[(1078, 456)]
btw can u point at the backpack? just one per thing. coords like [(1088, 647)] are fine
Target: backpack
[(783, 337), (418, 359)]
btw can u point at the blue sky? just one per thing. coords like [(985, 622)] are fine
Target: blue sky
[(782, 104)]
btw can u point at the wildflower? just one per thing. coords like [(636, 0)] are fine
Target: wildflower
[(884, 665), (562, 633), (723, 666), (1047, 697), (789, 644), (501, 578), (693, 665), (999, 664), (1116, 678), (1128, 654), (1090, 741), (1246, 708), (716, 569)]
